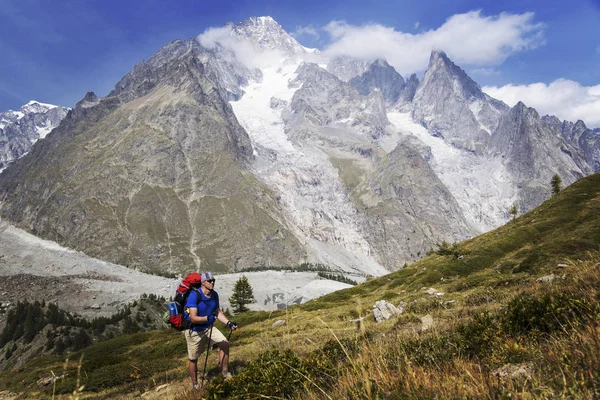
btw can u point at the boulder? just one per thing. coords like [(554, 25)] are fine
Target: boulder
[(279, 323), (514, 371), (546, 279), (383, 310)]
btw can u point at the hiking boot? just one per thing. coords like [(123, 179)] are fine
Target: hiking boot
[(227, 375)]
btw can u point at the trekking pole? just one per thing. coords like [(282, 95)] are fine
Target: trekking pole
[(206, 359)]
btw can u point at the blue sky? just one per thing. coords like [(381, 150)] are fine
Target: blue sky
[(546, 53)]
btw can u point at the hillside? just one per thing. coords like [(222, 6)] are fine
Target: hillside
[(519, 316)]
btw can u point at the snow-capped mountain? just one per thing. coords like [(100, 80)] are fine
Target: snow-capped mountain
[(241, 149), (19, 130)]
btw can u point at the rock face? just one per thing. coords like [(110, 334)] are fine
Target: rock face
[(408, 92), (324, 100), (451, 105), (582, 138), (533, 153), (19, 130), (382, 76)]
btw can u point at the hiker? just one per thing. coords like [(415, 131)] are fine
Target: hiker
[(203, 309)]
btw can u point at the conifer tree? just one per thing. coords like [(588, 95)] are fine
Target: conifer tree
[(556, 184), (242, 295), (514, 210)]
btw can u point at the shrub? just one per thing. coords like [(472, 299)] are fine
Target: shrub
[(547, 313), (280, 374)]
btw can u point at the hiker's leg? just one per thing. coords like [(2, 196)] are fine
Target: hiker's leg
[(193, 369), (220, 340), (224, 355), (194, 348)]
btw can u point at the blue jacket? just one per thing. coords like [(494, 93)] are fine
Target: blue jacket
[(205, 305)]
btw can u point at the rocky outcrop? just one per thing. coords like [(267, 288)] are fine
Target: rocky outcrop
[(383, 310)]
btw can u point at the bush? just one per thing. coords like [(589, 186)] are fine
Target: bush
[(547, 313), (280, 374)]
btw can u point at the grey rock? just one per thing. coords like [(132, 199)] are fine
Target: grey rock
[(426, 322), (546, 278), (585, 140), (514, 371), (383, 310), (279, 323), (434, 292)]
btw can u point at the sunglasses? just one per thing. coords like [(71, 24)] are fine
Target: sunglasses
[(210, 281)]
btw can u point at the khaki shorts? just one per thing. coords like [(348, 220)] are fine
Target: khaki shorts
[(196, 341)]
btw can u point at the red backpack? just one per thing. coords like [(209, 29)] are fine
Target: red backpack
[(176, 308)]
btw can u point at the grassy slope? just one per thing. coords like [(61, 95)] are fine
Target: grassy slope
[(490, 289)]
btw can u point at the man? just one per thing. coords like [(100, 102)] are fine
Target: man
[(203, 309)]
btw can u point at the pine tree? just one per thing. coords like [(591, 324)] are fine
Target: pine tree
[(556, 184), (242, 295), (514, 210)]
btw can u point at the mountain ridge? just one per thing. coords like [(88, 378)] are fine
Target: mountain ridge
[(179, 138)]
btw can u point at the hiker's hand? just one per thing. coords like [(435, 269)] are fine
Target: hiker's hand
[(211, 319), (232, 325)]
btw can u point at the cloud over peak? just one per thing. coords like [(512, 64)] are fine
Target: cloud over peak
[(468, 39)]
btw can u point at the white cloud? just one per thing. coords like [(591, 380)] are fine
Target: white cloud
[(468, 39), (563, 98), (305, 30), (417, 25), (241, 49)]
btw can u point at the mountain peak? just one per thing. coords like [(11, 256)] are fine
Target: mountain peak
[(267, 34), (442, 68), (382, 76), (438, 56), (36, 107)]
